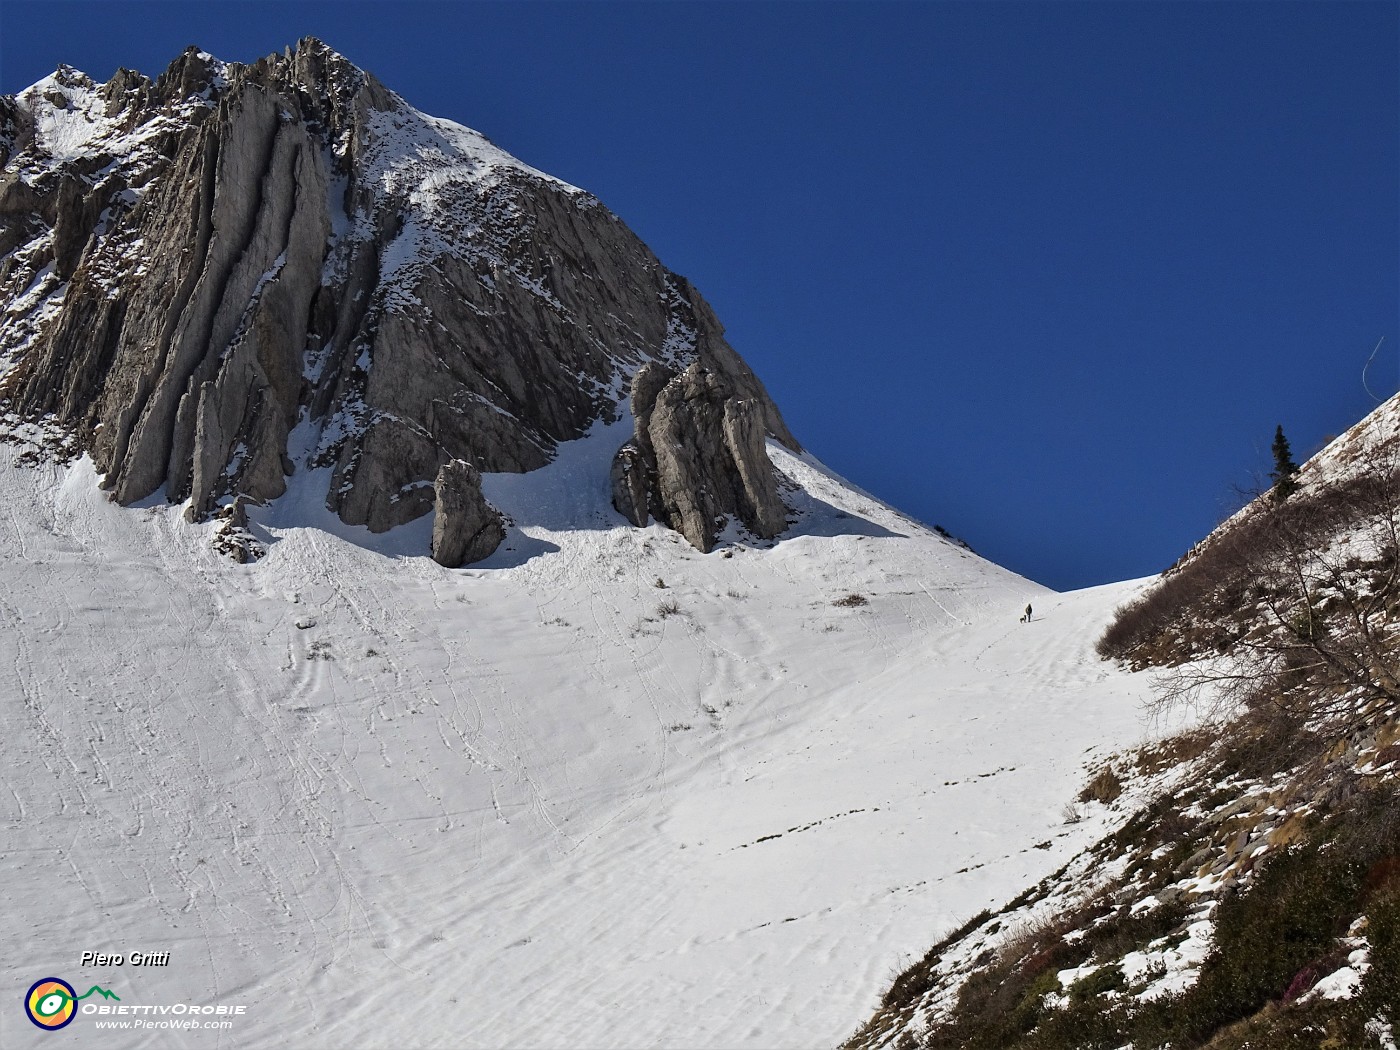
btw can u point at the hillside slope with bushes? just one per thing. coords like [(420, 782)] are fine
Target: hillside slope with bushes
[(1251, 896)]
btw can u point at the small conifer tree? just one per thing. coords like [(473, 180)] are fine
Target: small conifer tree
[(1285, 472)]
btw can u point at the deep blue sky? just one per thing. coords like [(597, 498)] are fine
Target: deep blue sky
[(1047, 274)]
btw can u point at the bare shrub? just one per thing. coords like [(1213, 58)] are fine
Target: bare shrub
[(668, 609), (1293, 606), (1028, 936), (851, 601)]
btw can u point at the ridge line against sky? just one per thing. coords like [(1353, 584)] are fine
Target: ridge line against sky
[(1048, 275)]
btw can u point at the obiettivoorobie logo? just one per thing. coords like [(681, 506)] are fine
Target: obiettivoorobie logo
[(52, 1003)]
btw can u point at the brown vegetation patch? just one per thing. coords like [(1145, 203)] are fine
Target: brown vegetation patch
[(1106, 786)]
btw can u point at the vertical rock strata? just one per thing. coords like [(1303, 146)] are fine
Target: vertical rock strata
[(698, 456), (233, 272)]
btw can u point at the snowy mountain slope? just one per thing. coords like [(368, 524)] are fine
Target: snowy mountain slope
[(1253, 899), (598, 789), (530, 803)]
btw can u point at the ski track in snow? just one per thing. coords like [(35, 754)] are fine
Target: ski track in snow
[(514, 804)]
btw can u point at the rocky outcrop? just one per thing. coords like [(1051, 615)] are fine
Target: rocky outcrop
[(183, 360), (698, 456), (465, 527), (194, 267), (633, 484), (232, 537)]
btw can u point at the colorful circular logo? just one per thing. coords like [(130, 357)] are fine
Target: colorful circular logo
[(51, 1003)]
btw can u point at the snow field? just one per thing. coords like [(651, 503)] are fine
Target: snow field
[(525, 803)]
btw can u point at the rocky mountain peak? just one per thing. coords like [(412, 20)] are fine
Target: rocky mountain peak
[(237, 272), (195, 72)]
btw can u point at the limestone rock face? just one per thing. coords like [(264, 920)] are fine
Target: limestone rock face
[(465, 527), (237, 273), (697, 457)]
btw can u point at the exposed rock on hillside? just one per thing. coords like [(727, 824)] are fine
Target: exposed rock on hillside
[(697, 456), (465, 527), (197, 266)]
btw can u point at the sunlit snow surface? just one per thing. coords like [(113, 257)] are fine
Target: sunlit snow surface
[(523, 803)]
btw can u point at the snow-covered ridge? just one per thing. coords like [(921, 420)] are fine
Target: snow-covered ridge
[(410, 151), (69, 113), (405, 154), (76, 119), (1350, 453), (430, 163)]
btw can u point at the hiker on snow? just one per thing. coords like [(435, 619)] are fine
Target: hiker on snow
[(1027, 617)]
